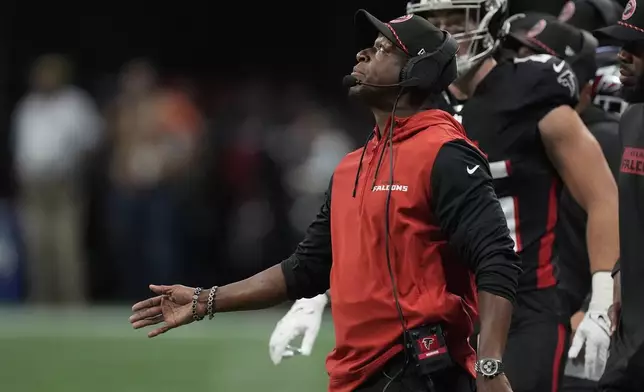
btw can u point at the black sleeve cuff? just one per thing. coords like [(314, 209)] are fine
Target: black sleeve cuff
[(301, 281), (500, 277), (288, 269)]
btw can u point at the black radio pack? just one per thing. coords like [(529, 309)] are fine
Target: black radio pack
[(427, 349)]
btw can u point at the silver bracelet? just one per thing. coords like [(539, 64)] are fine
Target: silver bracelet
[(211, 302), (195, 298)]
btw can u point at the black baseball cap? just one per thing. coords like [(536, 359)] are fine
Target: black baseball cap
[(591, 15), (525, 21), (413, 34), (559, 39), (629, 29), (545, 34)]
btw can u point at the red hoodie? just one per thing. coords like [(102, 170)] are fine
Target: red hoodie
[(367, 328)]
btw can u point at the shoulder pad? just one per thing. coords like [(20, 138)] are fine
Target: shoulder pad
[(536, 59), (551, 71)]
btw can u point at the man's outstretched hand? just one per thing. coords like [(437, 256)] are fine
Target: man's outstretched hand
[(172, 306)]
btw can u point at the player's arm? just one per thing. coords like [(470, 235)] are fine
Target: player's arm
[(579, 159), (471, 217), (304, 274)]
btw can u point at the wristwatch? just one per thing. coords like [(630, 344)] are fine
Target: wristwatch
[(488, 367)]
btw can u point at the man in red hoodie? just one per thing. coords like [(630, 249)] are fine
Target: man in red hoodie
[(412, 225)]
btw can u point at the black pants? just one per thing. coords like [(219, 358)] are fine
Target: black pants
[(574, 384), (536, 352), (625, 367), (454, 379)]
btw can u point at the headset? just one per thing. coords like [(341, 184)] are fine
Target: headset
[(432, 71)]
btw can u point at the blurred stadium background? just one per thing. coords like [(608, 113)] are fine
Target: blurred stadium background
[(144, 143)]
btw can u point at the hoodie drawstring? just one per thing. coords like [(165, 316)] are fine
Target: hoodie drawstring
[(382, 154), (364, 150), (390, 139)]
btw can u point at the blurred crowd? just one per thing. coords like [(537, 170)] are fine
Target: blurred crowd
[(150, 179)]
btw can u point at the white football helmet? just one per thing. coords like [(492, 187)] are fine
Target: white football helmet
[(475, 37)]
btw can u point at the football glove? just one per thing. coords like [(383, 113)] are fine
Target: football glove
[(304, 318), (593, 333)]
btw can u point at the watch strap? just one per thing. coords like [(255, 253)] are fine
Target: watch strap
[(489, 367)]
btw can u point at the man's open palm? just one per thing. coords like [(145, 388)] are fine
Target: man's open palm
[(172, 306)]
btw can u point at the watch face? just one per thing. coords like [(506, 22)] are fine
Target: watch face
[(489, 368)]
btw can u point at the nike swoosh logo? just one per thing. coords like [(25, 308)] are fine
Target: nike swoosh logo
[(472, 170), (558, 67)]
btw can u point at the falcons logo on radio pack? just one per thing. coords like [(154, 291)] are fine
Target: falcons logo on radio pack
[(427, 343)]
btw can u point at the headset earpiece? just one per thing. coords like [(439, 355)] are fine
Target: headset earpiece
[(410, 75), (432, 71)]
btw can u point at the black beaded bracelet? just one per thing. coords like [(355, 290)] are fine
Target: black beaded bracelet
[(195, 299)]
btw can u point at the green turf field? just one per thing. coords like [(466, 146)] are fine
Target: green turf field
[(96, 350)]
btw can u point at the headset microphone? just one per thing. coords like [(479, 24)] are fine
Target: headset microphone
[(350, 81)]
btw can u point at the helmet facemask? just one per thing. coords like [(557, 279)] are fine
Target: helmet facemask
[(468, 21)]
